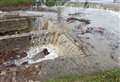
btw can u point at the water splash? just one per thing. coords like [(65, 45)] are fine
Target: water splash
[(36, 50)]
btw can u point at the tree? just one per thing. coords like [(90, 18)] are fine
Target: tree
[(50, 2)]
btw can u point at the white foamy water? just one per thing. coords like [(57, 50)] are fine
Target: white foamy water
[(33, 51), (36, 50)]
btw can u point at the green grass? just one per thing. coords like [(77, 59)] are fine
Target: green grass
[(104, 76), (4, 3)]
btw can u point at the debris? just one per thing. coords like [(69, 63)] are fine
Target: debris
[(72, 19), (45, 51), (89, 30), (100, 30), (7, 58), (41, 54), (95, 29), (25, 63)]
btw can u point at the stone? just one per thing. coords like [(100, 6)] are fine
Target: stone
[(3, 73)]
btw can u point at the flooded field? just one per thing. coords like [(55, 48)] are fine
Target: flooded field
[(38, 45)]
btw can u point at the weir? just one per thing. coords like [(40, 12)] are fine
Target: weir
[(51, 50)]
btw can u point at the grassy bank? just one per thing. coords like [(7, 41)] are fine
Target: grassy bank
[(105, 76), (4, 3)]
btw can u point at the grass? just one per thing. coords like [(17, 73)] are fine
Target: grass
[(4, 3), (104, 76)]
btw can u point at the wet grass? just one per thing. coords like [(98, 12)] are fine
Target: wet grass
[(4, 3), (104, 76)]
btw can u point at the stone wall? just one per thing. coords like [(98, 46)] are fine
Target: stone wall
[(15, 36), (12, 29), (15, 24), (16, 43)]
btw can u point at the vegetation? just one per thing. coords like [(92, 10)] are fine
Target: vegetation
[(50, 2), (14, 2), (105, 76), (4, 3), (55, 2)]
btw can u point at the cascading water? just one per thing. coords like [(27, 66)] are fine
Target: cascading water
[(42, 42), (34, 51)]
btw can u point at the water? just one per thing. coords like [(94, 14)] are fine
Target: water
[(36, 50), (99, 18), (105, 45)]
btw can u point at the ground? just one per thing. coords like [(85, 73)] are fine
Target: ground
[(105, 76)]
